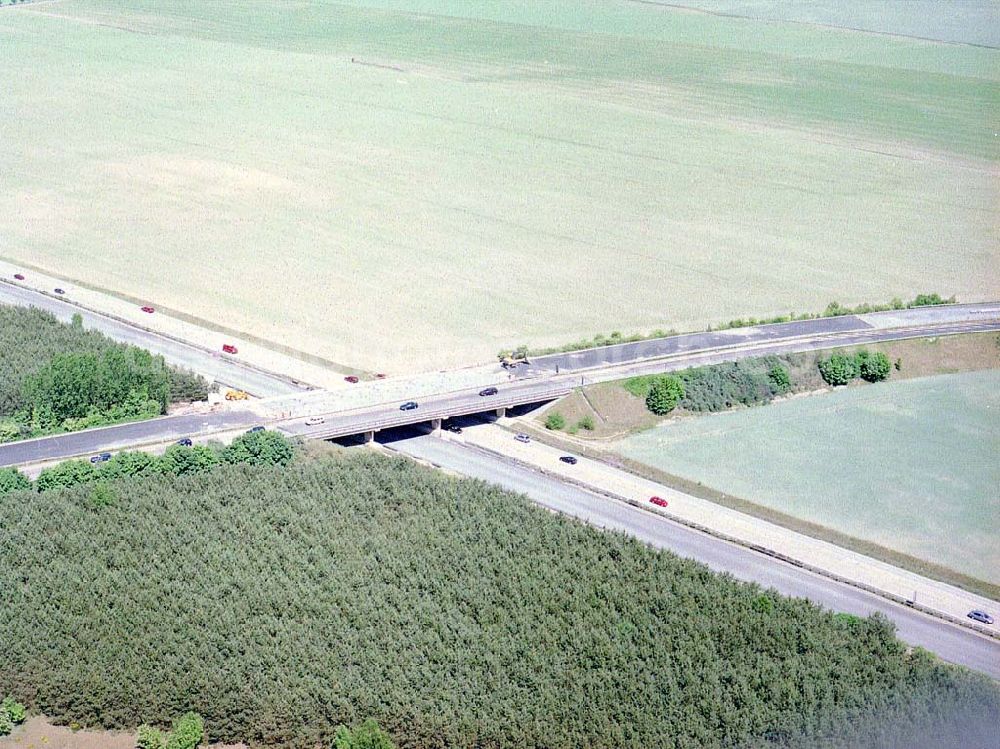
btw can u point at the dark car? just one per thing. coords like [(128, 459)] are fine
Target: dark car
[(380, 375), (351, 379), (454, 428), (980, 616), (185, 442), (230, 348), (409, 406), (149, 310), (658, 501), (19, 276), (102, 458), (59, 291), (568, 459), (251, 430), (488, 391)]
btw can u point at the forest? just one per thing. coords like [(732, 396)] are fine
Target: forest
[(279, 602), (57, 377)]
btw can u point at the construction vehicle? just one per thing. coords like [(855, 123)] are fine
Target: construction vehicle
[(236, 395)]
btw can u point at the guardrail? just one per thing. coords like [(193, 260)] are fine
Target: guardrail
[(334, 429)]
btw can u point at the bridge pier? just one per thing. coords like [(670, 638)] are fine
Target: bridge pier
[(369, 436), (435, 426), (501, 412)]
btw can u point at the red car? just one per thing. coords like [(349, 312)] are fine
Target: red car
[(148, 310), (230, 348), (19, 276), (351, 379), (658, 501)]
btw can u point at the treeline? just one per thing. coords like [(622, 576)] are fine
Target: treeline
[(60, 377), (281, 603), (254, 448), (833, 309), (752, 382)]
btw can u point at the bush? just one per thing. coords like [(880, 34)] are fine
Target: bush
[(13, 710), (587, 422), (779, 380), (664, 395), (839, 369), (188, 732), (12, 480), (149, 737), (555, 420), (875, 368), (367, 736)]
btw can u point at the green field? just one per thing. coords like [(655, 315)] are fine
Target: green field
[(910, 465), (488, 173)]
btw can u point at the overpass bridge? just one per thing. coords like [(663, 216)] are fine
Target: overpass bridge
[(432, 410)]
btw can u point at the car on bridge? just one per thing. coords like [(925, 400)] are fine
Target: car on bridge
[(314, 421), (351, 379), (230, 348), (568, 459), (488, 391), (148, 310), (59, 291), (980, 616), (658, 501), (102, 458), (184, 442), (409, 406), (19, 276)]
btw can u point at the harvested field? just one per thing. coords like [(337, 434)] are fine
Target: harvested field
[(909, 465), (486, 173)]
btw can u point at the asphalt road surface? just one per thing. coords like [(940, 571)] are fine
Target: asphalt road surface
[(819, 328), (212, 365), (950, 642), (121, 436)]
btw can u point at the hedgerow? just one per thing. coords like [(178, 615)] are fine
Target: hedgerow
[(282, 602)]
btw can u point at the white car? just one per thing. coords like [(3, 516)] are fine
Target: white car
[(523, 438), (313, 421)]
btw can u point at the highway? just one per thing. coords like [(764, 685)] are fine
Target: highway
[(952, 643), (844, 330), (212, 365), (123, 436)]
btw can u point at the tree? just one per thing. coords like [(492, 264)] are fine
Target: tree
[(259, 448), (875, 368), (12, 480), (67, 473), (130, 464), (664, 395), (587, 422), (367, 736), (555, 420), (180, 459), (150, 737), (838, 369)]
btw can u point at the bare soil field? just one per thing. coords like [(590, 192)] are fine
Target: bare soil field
[(413, 184), (38, 733)]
